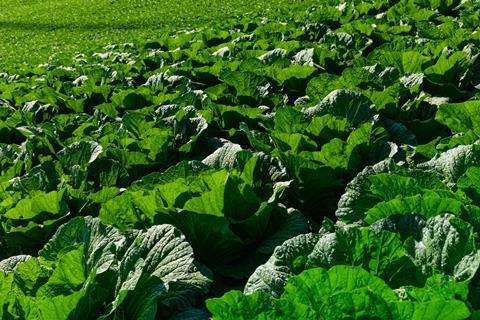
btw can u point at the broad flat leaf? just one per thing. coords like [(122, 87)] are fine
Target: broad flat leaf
[(235, 305), (427, 205), (399, 132), (434, 309), (406, 62), (449, 68), (469, 182), (246, 84), (467, 271), (346, 292), (221, 213), (353, 106), (287, 259), (381, 253), (384, 182), (81, 258), (460, 117), (290, 120), (102, 244), (445, 241), (272, 55), (49, 204), (157, 269), (80, 153), (340, 292), (224, 157), (304, 57), (438, 286), (453, 163)]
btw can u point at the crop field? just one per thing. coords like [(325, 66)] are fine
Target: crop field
[(281, 160), (33, 30)]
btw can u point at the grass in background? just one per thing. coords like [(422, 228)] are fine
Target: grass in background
[(33, 30)]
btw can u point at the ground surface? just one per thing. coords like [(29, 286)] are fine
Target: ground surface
[(31, 31)]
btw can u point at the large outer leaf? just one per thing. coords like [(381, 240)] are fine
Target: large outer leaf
[(235, 305), (345, 103), (80, 153), (288, 258), (76, 272), (340, 292), (380, 252), (349, 208), (428, 205), (344, 292), (453, 163), (247, 85), (158, 269), (223, 157), (460, 117), (386, 189), (73, 276), (444, 242), (103, 245)]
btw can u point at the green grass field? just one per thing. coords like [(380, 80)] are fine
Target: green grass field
[(31, 31)]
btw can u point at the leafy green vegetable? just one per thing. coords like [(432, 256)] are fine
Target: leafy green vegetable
[(205, 203), (342, 291), (323, 157), (75, 274)]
